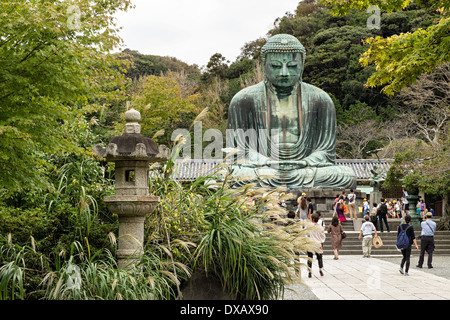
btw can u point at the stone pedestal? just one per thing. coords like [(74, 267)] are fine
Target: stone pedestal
[(131, 211), (375, 197)]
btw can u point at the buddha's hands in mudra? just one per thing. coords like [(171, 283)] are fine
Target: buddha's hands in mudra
[(265, 162), (257, 160), (287, 164)]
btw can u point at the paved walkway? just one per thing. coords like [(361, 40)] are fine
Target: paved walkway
[(357, 278)]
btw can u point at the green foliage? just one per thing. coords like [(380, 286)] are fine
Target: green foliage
[(164, 105), (83, 279), (253, 259), (12, 276), (251, 50), (332, 64), (402, 56), (21, 270), (144, 65), (23, 224), (70, 211), (400, 59), (49, 68), (421, 167), (343, 7), (357, 113), (217, 66)]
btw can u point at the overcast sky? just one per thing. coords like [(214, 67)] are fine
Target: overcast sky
[(193, 30)]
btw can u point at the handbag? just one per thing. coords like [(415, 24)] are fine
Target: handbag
[(345, 209), (377, 242), (343, 235)]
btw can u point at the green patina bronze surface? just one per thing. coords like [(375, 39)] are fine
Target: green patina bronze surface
[(294, 124)]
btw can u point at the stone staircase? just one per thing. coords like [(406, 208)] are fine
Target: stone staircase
[(352, 245)]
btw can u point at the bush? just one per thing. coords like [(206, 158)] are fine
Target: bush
[(23, 224)]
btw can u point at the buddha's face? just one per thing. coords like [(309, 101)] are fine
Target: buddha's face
[(283, 69)]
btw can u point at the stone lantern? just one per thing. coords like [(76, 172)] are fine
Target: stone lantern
[(132, 153)]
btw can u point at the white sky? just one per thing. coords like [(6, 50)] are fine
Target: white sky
[(193, 30)]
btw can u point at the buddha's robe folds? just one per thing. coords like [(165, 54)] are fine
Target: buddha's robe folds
[(294, 151)]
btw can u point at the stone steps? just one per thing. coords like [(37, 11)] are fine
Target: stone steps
[(355, 224), (352, 245)]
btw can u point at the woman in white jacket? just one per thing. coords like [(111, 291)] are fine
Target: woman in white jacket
[(318, 236)]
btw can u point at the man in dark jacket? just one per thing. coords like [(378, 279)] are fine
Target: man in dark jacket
[(382, 215)]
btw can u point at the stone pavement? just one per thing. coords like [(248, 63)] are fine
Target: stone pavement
[(353, 277)]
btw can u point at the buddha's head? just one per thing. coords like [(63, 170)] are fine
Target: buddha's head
[(283, 58)]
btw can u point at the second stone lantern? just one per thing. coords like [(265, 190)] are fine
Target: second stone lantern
[(132, 153)]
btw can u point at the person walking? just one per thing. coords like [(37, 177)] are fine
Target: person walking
[(373, 215), (366, 232), (406, 252), (335, 229), (320, 222), (397, 212), (405, 203), (422, 209), (339, 210), (352, 204), (382, 215), (427, 240), (319, 237), (302, 209), (418, 211), (366, 208)]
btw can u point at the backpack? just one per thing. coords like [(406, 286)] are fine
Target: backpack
[(402, 239)]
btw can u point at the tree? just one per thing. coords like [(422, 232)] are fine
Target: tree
[(252, 49), (357, 129), (401, 58), (426, 163), (216, 67), (428, 104), (332, 65), (165, 103), (145, 65), (53, 58)]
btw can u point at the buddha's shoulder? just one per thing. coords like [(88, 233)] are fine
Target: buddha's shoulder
[(315, 92), (257, 91), (250, 92)]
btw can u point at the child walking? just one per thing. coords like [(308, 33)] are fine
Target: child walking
[(366, 232)]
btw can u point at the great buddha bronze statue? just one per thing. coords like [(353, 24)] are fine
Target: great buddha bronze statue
[(286, 128)]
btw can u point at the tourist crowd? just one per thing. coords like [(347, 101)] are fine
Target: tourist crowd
[(375, 218)]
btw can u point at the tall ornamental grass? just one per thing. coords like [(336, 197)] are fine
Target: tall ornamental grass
[(150, 279), (254, 253)]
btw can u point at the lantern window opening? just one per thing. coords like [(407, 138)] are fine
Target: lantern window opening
[(130, 176)]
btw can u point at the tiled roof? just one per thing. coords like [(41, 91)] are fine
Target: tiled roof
[(362, 167), (188, 170)]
